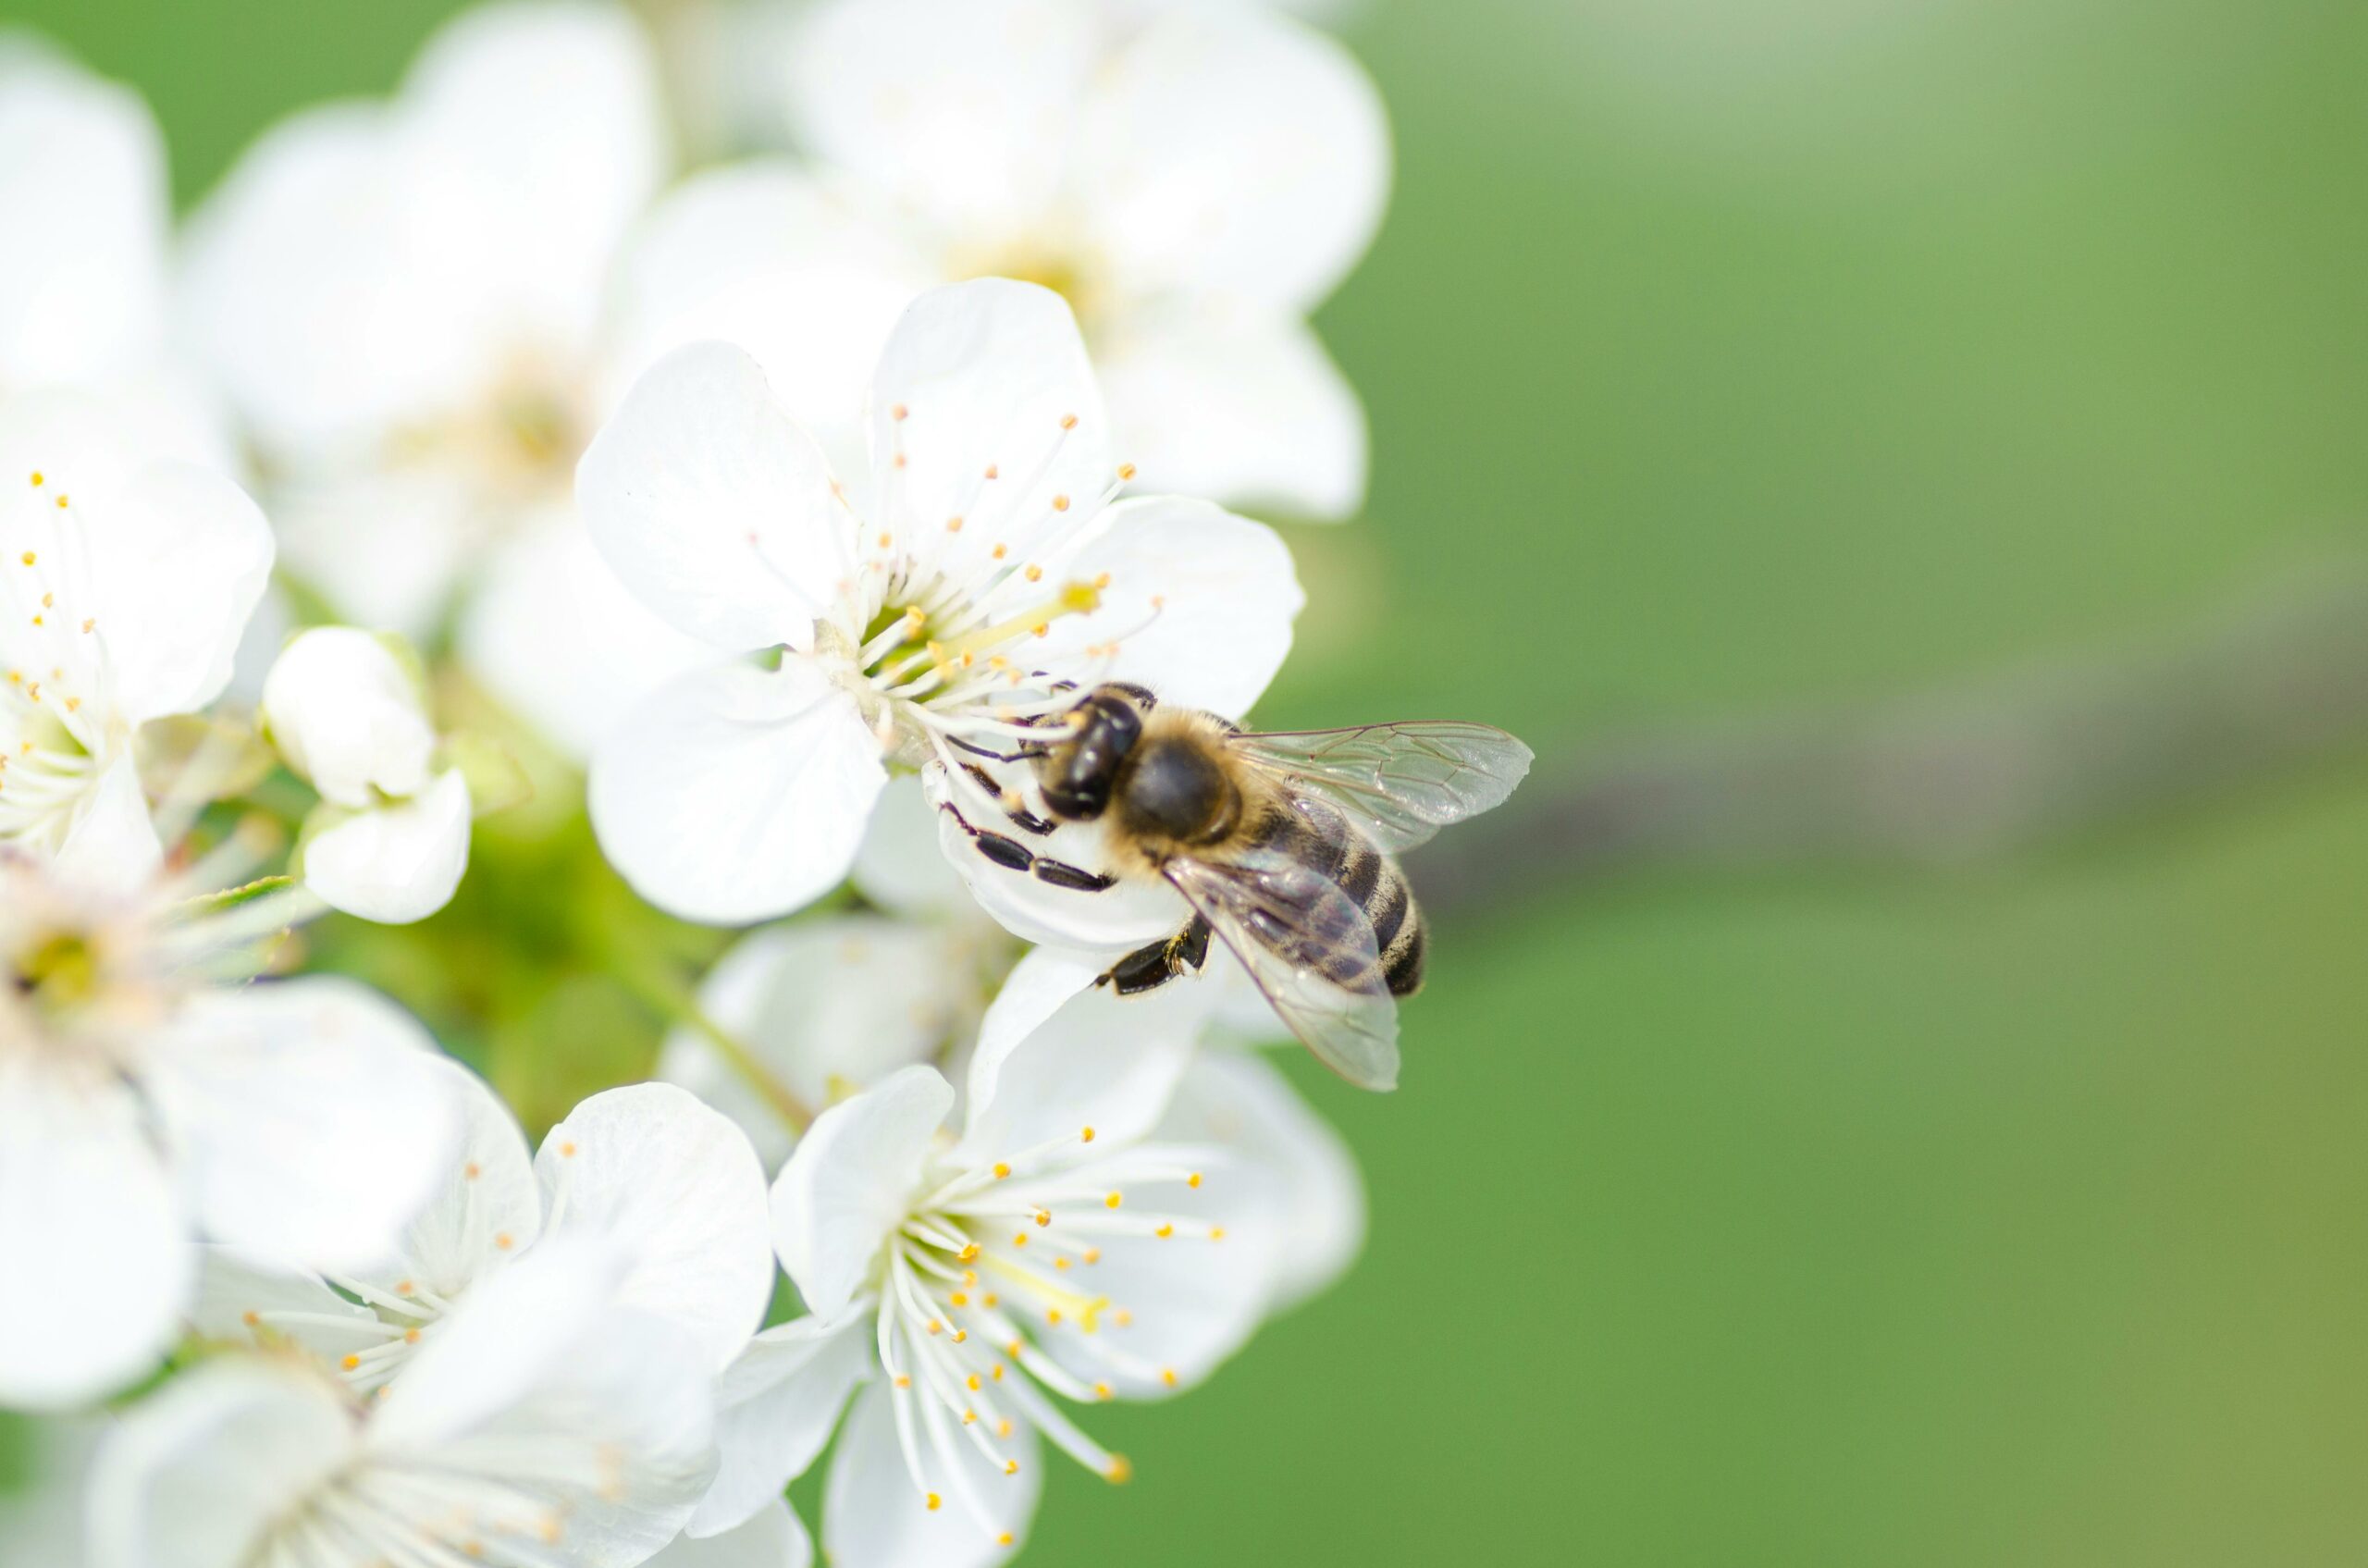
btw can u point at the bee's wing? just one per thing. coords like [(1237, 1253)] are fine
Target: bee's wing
[(1401, 783), (1311, 950)]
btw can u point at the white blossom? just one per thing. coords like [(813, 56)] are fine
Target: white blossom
[(1195, 188), (991, 568), (664, 1184), (548, 1423), (143, 1103), (403, 301), (126, 578), (347, 713)]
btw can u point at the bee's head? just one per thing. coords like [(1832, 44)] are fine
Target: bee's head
[(1079, 772)]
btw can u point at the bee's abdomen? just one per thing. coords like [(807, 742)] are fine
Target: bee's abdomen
[(1321, 839)]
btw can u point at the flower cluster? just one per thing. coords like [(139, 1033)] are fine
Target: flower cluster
[(487, 454)]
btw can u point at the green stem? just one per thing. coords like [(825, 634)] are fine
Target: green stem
[(662, 991)]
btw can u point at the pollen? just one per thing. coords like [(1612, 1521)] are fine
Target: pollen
[(61, 500), (972, 1382), (935, 1502), (1053, 1317), (1061, 1264), (471, 1170), (29, 558), (1216, 1232), (504, 1241), (1060, 503), (935, 1326), (1113, 1200), (403, 1288), (1086, 1136), (1004, 1539), (959, 1298), (1011, 1467), (953, 525), (567, 1151), (968, 1252), (1043, 1217), (899, 412), (1092, 1255), (349, 1363), (1102, 1391), (1165, 1231), (411, 1335), (251, 1318), (1192, 1180), (1126, 471), (1003, 1171), (991, 470), (1167, 1376), (1069, 422), (1120, 1471), (969, 1418), (903, 1380), (36, 478), (1033, 573), (1020, 1239)]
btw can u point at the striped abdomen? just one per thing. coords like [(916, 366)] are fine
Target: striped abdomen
[(1318, 837)]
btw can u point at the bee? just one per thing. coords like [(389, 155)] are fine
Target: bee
[(1282, 845)]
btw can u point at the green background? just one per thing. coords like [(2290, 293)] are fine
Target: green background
[(1724, 356)]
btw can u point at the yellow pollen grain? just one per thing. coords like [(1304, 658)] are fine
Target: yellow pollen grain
[(995, 1375), (935, 1502), (250, 1318), (968, 1252), (471, 1170), (1013, 1350), (1216, 1232), (935, 1326), (1034, 573), (502, 1240), (411, 1335), (1092, 1254), (1001, 550), (1085, 1136), (1011, 1467), (567, 1151), (887, 539), (958, 1298), (29, 558), (1126, 471), (903, 1380), (1121, 1470), (403, 1288), (970, 1277), (1069, 422), (1060, 1263), (1167, 1376), (1053, 1317), (1020, 1239), (900, 460), (1043, 1217), (961, 1336), (1194, 1179), (1002, 1171), (991, 470), (988, 1300), (953, 525), (898, 412), (1060, 503), (1113, 1200), (349, 1363), (1004, 1539), (1165, 1231), (61, 500), (1102, 1391), (36, 478), (1124, 1318), (969, 1418), (973, 1382)]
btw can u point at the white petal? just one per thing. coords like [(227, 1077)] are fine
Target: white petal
[(1199, 601), (762, 256), (539, 1359), (1240, 407), (96, 1243), (555, 634), (348, 716), (1108, 922), (112, 842), (398, 863), (1229, 150), (1241, 1101), (775, 1408), (959, 111), (713, 508), (1058, 1054), (486, 1207), (872, 1517), (770, 1538), (675, 1186), (540, 135), (1192, 1300), (384, 546), (82, 174), (900, 867), (827, 1005), (246, 1300), (851, 1181), (988, 375), (195, 1476), (737, 794), (311, 1120)]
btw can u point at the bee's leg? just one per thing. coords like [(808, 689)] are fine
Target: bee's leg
[(1029, 752), (1020, 814), (1153, 965), (1013, 856)]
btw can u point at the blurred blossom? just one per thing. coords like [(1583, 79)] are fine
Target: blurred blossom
[(666, 1185), (143, 1101), (549, 1422), (126, 576), (772, 1538), (986, 565), (1194, 187), (82, 275), (403, 301), (41, 1520)]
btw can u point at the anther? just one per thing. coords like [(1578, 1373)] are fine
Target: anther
[(1060, 503), (898, 412), (1121, 1471), (1113, 1200), (1167, 1376), (1003, 1171), (1011, 1467), (935, 1502), (1126, 471), (1069, 422), (1102, 1391), (1086, 1136), (1194, 1179)]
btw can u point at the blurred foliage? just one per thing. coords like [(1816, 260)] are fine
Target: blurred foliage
[(1721, 354)]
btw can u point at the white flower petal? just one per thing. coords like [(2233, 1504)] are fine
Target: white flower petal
[(398, 863), (96, 1243), (246, 1300), (82, 170), (987, 375), (1229, 150), (486, 1206), (825, 1005), (762, 256), (1240, 407), (959, 110), (850, 1181), (737, 794), (348, 716), (311, 1119), (183, 559), (776, 1406), (555, 634), (676, 1188), (713, 508), (1058, 1054), (542, 1357), (1199, 601), (113, 841), (384, 546), (873, 1518), (1108, 922), (196, 1475), (1243, 1103), (900, 867), (772, 1537), (536, 136)]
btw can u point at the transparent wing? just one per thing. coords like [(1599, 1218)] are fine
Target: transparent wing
[(1401, 783), (1312, 952)]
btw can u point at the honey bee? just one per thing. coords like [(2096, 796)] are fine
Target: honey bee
[(1282, 844)]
